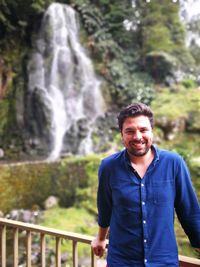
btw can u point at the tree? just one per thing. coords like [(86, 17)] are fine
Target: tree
[(156, 28), (16, 17)]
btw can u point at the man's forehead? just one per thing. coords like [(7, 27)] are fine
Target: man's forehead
[(137, 121), (139, 118)]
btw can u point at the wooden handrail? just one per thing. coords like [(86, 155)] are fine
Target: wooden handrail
[(188, 261), (46, 230), (59, 235), (43, 231)]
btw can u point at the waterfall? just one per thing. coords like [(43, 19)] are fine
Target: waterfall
[(61, 73), (190, 11)]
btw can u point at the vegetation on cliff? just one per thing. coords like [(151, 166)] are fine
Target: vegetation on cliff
[(134, 45), (138, 51)]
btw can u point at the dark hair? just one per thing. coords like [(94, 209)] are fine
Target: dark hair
[(134, 110)]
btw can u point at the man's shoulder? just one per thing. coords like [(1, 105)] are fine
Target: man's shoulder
[(170, 154), (114, 158)]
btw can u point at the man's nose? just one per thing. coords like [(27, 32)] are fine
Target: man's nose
[(137, 135)]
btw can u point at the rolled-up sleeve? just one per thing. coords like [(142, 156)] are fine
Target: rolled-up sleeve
[(104, 196), (186, 205)]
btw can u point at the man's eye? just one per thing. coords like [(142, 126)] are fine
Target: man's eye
[(129, 132)]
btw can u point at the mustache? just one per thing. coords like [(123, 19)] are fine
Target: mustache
[(137, 142)]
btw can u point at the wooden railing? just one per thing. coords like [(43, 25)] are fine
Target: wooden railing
[(188, 261), (29, 229)]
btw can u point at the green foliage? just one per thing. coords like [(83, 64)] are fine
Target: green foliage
[(3, 115), (77, 220), (195, 51), (80, 192), (86, 196), (68, 179), (194, 27), (15, 16), (122, 56), (70, 219), (22, 183), (173, 107), (160, 65), (130, 87), (181, 103), (117, 65), (157, 29), (16, 24), (189, 83)]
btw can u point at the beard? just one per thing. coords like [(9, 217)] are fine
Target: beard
[(138, 152)]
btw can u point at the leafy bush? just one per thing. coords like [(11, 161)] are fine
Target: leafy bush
[(160, 65), (188, 83)]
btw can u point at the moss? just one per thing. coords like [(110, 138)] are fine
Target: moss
[(176, 104), (3, 115), (189, 83), (31, 183)]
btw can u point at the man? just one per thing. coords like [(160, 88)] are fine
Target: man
[(139, 188)]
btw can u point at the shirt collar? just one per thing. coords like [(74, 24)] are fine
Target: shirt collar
[(156, 155)]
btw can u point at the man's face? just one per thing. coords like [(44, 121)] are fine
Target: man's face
[(137, 135)]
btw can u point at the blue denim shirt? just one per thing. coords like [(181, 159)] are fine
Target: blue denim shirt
[(140, 212)]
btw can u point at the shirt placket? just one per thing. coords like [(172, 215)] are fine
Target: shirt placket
[(144, 219)]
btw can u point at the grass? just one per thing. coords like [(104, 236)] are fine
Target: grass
[(72, 219)]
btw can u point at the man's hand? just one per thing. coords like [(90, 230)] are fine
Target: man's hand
[(98, 246)]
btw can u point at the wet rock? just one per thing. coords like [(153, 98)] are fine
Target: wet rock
[(50, 202), (171, 127), (1, 153), (26, 216)]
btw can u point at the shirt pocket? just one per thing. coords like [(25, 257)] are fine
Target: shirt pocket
[(162, 192)]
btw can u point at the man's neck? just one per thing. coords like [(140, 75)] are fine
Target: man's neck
[(139, 160), (141, 164)]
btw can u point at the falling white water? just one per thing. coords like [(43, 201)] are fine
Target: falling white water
[(190, 10), (60, 67)]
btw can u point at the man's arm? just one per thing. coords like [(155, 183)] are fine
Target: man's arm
[(187, 206), (99, 243)]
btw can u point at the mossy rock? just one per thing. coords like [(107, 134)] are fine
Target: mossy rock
[(180, 107), (72, 180)]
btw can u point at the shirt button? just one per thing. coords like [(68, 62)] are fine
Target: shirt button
[(145, 260), (145, 240), (142, 184), (143, 203), (144, 221)]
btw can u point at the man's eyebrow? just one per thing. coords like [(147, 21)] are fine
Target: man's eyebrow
[(144, 127), (129, 128)]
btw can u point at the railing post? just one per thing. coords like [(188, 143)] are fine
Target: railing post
[(43, 249), (28, 248), (75, 254), (93, 259), (3, 246), (58, 252), (59, 235), (15, 246)]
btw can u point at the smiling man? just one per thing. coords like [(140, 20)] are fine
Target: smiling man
[(140, 188)]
